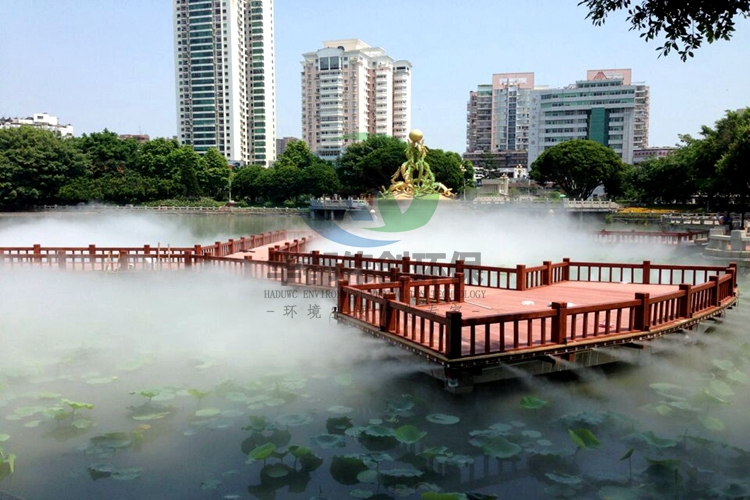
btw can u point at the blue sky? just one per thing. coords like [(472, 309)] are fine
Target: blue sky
[(110, 63)]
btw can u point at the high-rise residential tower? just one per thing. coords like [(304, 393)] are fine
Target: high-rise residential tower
[(606, 107), (351, 90), (225, 77)]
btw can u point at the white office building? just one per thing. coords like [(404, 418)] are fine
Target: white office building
[(225, 77), (39, 120)]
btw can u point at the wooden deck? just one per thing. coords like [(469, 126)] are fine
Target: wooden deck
[(463, 317)]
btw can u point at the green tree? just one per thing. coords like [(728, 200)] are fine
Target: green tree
[(152, 158), (578, 167), (34, 165), (108, 153), (297, 154), (685, 24), (733, 166), (213, 174), (247, 183), (367, 166), (320, 180), (447, 167), (281, 183), (186, 162), (664, 180)]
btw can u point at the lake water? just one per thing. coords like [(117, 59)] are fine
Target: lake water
[(193, 385)]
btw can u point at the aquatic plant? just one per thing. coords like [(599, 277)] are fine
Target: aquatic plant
[(583, 439)]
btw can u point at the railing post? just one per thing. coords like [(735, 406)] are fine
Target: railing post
[(559, 333), (271, 255), (405, 290), (458, 287), (315, 257), (61, 260), (232, 248), (685, 304), (647, 272), (388, 314), (147, 249), (340, 271), (122, 261), (188, 255), (566, 269), (343, 297), (243, 243), (547, 273), (714, 290), (459, 266), (217, 249), (733, 269), (405, 264), (252, 241), (198, 250), (37, 252), (395, 273), (642, 312), (453, 331), (358, 260), (520, 277)]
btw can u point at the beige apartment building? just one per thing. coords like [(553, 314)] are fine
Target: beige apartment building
[(351, 90)]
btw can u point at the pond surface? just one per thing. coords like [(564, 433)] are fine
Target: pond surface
[(199, 385)]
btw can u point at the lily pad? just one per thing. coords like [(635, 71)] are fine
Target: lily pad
[(442, 419), (340, 410), (739, 377), (294, 419), (101, 380), (409, 434), (501, 448), (563, 478), (723, 364), (358, 493), (720, 388), (126, 473), (583, 438), (276, 471), (207, 412), (713, 424), (329, 441), (368, 476), (4, 437), (533, 403), (210, 484)]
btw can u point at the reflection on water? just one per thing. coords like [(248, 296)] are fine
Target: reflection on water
[(193, 385)]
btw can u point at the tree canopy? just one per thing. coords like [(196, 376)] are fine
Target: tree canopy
[(578, 167), (684, 24)]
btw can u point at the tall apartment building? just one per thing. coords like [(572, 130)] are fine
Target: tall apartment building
[(351, 90), (498, 120), (603, 108), (225, 77)]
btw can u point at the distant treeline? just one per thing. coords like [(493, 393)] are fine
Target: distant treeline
[(38, 167)]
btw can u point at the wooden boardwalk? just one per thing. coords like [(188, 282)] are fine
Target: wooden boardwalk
[(463, 317)]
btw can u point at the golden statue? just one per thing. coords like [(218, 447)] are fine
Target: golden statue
[(417, 178)]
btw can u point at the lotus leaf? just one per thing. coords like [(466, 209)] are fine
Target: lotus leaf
[(583, 438), (405, 472), (723, 364), (501, 428), (4, 437), (112, 440), (434, 451), (210, 484), (533, 403), (345, 469), (368, 477), (531, 434), (82, 423), (328, 441), (338, 425), (738, 376), (361, 493), (379, 431), (151, 416), (459, 461), (207, 412), (275, 402), (344, 379), (713, 423), (354, 432), (276, 471), (261, 452), (198, 394), (442, 419), (720, 388), (126, 473), (164, 396), (653, 440), (618, 493), (101, 381), (32, 423), (409, 434), (434, 495), (563, 478), (499, 447), (341, 410), (544, 442), (78, 406)]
